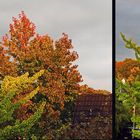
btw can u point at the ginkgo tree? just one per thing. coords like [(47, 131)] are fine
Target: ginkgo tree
[(10, 126), (128, 93)]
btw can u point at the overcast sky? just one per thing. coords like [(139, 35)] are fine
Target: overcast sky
[(128, 22), (87, 22)]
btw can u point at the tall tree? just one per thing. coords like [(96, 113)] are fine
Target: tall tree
[(127, 94), (23, 50)]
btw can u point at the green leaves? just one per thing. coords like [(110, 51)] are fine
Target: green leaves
[(128, 98), (9, 89), (130, 44), (128, 94)]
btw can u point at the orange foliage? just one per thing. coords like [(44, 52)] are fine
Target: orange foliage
[(119, 65), (127, 69), (85, 89), (31, 52), (6, 67)]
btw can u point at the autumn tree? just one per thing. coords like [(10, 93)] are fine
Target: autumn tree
[(127, 69), (23, 50)]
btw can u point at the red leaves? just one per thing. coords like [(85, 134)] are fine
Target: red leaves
[(22, 30), (119, 64)]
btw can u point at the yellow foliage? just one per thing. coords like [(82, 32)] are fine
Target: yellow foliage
[(17, 84)]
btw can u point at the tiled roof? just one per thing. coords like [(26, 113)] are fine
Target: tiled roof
[(92, 105)]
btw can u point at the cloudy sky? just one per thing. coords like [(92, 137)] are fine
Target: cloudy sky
[(128, 22), (87, 22)]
